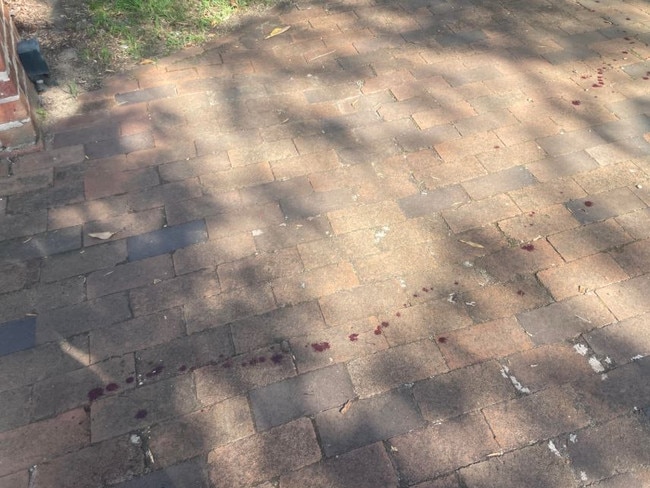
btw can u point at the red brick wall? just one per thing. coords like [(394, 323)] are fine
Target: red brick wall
[(18, 130)]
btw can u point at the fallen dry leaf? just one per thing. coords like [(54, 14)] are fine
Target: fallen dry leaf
[(277, 31), (472, 244), (346, 406), (101, 235)]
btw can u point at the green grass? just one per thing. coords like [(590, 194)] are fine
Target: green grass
[(140, 29)]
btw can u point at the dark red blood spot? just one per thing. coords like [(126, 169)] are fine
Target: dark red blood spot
[(595, 86), (130, 379), (624, 52), (497, 147), (385, 324), (320, 346), (277, 358), (112, 387), (528, 247), (646, 78), (575, 102), (95, 393), (227, 365), (415, 295), (182, 368), (378, 330), (521, 293), (353, 337), (589, 203), (140, 414), (261, 359), (455, 282), (627, 18), (442, 340), (156, 371), (398, 314), (425, 290), (584, 77)]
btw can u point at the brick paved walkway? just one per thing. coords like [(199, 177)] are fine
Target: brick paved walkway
[(400, 244)]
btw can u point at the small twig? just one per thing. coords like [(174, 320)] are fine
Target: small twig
[(322, 55)]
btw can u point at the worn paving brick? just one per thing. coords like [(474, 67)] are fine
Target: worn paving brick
[(600, 460), (589, 239), (84, 261), (17, 408), (501, 158), (539, 416), (119, 145), (633, 258), (396, 366), (166, 240), (275, 326), (41, 245), (227, 307), (347, 342), (48, 159), (462, 391), (560, 166), (264, 456), (193, 209), (240, 177), (189, 168), (40, 441), (372, 215), (145, 95), (189, 473), (425, 320), (196, 433), (502, 181), (41, 298), (622, 341), (565, 319), (636, 223), (437, 200), (238, 375), (627, 299), (17, 335), (502, 300), (136, 334), (172, 358), (547, 366), (536, 197), (105, 463), (584, 274), (173, 292), (70, 390), (79, 213), (506, 264), (14, 226), (126, 225), (367, 421), (442, 448), (452, 150), (213, 252), (303, 395), (484, 341), (99, 184), (609, 177), (273, 237), (260, 267), (620, 391), (316, 204), (367, 467), (141, 407), (14, 276), (361, 302), (244, 220), (129, 275), (480, 213), (536, 466), (604, 205), (78, 318), (314, 284)]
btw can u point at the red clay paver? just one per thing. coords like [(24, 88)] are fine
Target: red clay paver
[(393, 245)]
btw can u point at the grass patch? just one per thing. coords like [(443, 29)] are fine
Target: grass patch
[(140, 29)]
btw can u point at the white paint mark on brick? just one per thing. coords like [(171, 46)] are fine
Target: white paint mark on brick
[(581, 349)]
